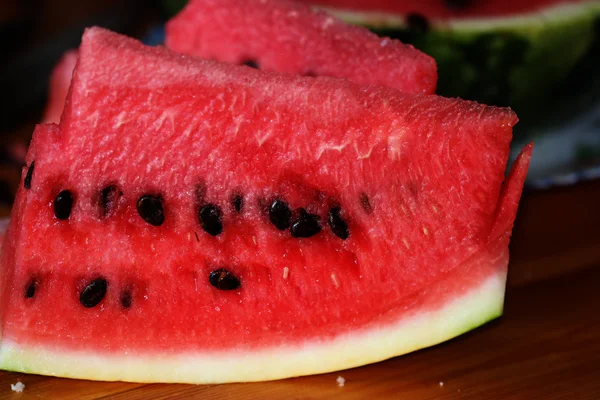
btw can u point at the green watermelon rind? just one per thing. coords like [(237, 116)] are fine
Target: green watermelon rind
[(519, 59), (526, 23), (473, 309)]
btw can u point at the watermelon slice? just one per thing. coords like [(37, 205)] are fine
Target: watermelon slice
[(302, 42), (502, 52), (192, 221), (279, 35), (60, 79)]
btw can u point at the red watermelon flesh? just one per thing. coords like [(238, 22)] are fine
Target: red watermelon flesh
[(95, 291), (446, 9), (60, 79), (334, 49), (283, 36)]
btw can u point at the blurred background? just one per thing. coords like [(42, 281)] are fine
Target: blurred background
[(548, 72), (34, 34)]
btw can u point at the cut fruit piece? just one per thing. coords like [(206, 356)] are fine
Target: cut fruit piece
[(301, 42), (174, 258), (526, 54), (279, 35)]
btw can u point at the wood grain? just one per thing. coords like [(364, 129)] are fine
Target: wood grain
[(547, 346), (556, 231)]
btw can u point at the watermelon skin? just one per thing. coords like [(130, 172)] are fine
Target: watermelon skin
[(60, 79), (283, 36), (425, 261), (443, 10), (523, 54)]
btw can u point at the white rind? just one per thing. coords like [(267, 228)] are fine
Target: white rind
[(475, 307), (557, 14)]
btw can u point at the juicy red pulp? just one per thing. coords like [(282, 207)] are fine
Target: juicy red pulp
[(416, 178), (287, 37)]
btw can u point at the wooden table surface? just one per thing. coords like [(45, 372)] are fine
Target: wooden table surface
[(546, 346)]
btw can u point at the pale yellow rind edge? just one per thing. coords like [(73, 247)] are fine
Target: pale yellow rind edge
[(554, 14), (474, 308)]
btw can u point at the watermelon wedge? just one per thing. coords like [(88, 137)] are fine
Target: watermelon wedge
[(283, 36), (193, 221), (301, 42), (534, 55)]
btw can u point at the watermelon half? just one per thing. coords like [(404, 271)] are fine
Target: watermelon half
[(192, 221), (526, 54), (283, 36)]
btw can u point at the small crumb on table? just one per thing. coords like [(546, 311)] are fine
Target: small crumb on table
[(441, 384), (17, 387), (340, 381)]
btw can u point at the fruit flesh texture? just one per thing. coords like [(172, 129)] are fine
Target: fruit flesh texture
[(428, 327), (378, 345), (446, 9), (242, 365), (431, 166), (447, 193), (412, 70), (287, 37)]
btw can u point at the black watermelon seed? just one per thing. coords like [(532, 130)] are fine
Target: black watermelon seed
[(306, 226), (222, 279), (93, 293), (237, 201), (251, 64), (28, 176), (30, 289), (150, 209), (458, 4), (310, 73), (337, 224), (63, 204), (280, 214), (108, 199), (416, 23), (126, 299), (211, 219), (365, 203)]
